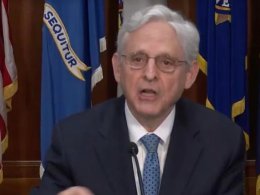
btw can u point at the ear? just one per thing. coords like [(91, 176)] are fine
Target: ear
[(116, 66), (191, 74)]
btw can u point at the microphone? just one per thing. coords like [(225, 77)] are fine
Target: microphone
[(133, 150)]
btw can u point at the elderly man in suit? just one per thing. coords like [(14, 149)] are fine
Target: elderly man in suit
[(196, 151)]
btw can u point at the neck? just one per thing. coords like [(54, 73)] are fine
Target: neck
[(151, 123)]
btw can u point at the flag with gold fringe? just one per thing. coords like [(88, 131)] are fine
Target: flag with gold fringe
[(223, 31), (8, 79), (73, 37)]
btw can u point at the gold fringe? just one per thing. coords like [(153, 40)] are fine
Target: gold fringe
[(238, 108), (9, 92), (202, 64), (209, 105), (247, 140), (5, 143), (1, 175), (258, 185)]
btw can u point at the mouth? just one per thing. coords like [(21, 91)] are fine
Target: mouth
[(148, 94)]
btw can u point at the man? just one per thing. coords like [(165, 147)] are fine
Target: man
[(197, 152)]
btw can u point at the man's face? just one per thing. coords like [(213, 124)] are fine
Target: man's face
[(151, 93)]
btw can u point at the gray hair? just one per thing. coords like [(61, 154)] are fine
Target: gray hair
[(186, 31)]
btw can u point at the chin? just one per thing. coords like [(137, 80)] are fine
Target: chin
[(147, 113)]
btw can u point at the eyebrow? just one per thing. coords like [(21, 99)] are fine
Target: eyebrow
[(161, 54)]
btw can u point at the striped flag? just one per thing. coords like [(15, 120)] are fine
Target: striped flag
[(73, 37), (223, 49), (8, 79)]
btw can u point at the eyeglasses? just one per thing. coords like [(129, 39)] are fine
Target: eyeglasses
[(164, 63)]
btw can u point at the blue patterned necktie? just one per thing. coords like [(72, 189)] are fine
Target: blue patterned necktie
[(151, 171)]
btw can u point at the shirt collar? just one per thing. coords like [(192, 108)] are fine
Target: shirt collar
[(137, 131)]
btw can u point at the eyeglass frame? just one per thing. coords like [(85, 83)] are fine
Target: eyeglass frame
[(176, 62)]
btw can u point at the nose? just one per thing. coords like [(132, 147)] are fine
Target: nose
[(150, 70)]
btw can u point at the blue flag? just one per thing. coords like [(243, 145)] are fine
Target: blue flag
[(73, 37), (223, 31)]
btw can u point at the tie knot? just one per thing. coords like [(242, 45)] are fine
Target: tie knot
[(150, 142)]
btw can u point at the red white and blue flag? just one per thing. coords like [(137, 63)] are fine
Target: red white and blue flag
[(8, 79)]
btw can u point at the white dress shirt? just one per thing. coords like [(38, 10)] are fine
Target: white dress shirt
[(137, 131)]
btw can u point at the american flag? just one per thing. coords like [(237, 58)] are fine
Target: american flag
[(8, 78)]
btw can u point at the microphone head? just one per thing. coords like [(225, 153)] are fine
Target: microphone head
[(133, 149)]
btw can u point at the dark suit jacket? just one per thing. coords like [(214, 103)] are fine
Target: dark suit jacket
[(205, 155)]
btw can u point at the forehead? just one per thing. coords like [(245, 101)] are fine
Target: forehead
[(154, 37)]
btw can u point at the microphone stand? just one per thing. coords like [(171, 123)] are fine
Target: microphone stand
[(134, 151)]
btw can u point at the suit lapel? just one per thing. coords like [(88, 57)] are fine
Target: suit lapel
[(112, 152), (183, 152)]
